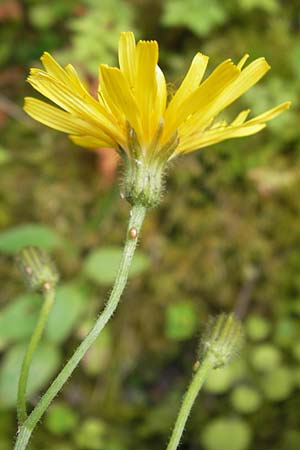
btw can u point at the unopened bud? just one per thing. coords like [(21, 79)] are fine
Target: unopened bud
[(222, 339), (38, 270)]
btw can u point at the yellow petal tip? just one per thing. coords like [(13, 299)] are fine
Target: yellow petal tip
[(242, 61), (46, 56), (267, 65), (126, 33), (201, 56)]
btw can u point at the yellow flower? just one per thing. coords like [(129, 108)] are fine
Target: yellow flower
[(132, 109), (133, 113)]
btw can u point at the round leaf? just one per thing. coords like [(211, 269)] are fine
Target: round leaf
[(18, 318), (221, 380), (45, 362), (69, 304), (278, 384), (265, 357), (91, 435), (102, 264), (245, 399), (181, 321), (226, 434), (61, 419), (257, 327), (12, 240), (97, 358)]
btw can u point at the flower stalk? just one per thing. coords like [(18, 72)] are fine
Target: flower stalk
[(198, 380), (40, 274), (49, 297), (137, 215), (222, 340)]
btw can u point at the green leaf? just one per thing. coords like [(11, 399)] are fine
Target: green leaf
[(69, 304), (270, 6), (246, 399), (18, 318), (199, 16), (45, 15), (265, 357), (98, 356), (226, 434), (286, 332), (86, 29), (60, 418), (5, 156), (278, 384), (181, 321), (101, 264), (257, 327), (12, 240), (46, 361), (221, 380), (91, 435)]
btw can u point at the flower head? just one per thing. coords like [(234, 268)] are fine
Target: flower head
[(135, 96), (38, 270), (132, 112), (222, 340)]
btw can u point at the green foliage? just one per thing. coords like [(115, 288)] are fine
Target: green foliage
[(226, 434), (94, 34), (4, 153), (70, 302), (221, 380), (286, 332), (190, 14), (44, 15), (60, 418), (18, 318), (245, 399), (98, 357), (257, 327), (46, 361), (181, 321), (271, 6), (64, 446), (278, 384), (91, 435), (265, 357), (11, 241), (101, 264)]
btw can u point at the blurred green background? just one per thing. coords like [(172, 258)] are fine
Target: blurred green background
[(226, 236)]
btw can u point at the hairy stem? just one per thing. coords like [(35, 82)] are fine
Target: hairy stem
[(137, 215), (188, 401), (49, 296)]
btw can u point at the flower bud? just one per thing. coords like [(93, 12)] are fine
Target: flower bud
[(222, 339), (143, 182), (38, 270)]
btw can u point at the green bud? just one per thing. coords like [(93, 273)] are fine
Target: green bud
[(144, 168), (222, 339), (143, 181), (38, 270)]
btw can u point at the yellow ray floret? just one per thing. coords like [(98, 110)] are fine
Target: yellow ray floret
[(134, 96)]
